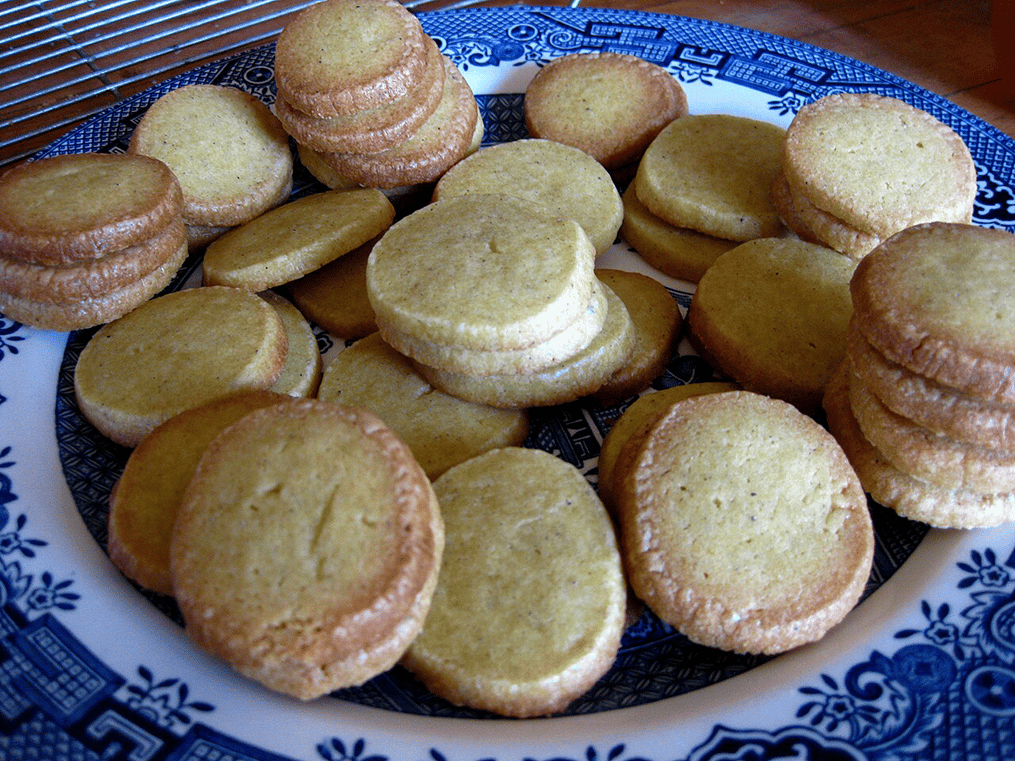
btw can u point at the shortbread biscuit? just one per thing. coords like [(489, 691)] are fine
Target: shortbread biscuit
[(909, 497), (565, 181), (743, 524), (577, 376), (529, 607), (657, 323), (935, 299), (772, 314), (610, 105), (675, 251), (301, 373), (817, 226), (926, 455), (175, 352), (928, 403), (442, 140), (228, 150), (315, 570), (713, 173), (78, 314), (479, 362), (481, 272), (372, 129), (441, 430), (335, 296), (67, 209), (613, 459), (878, 164), (146, 497), (341, 56), (296, 238)]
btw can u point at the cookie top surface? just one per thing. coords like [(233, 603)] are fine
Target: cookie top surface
[(312, 571), (441, 430), (227, 149), (773, 314), (173, 353), (713, 173), (481, 271), (764, 558), (565, 181), (529, 608), (609, 105), (878, 163), (935, 298), (340, 56), (68, 209), (296, 238)]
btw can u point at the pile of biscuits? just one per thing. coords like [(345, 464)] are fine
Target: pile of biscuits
[(925, 402), (85, 238), (858, 168), (384, 115)]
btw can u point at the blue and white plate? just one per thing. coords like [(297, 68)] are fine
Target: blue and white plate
[(91, 667)]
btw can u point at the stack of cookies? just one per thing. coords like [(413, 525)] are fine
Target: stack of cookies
[(511, 297), (924, 406), (385, 115), (858, 168), (85, 238)]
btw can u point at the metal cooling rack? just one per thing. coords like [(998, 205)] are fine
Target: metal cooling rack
[(62, 61)]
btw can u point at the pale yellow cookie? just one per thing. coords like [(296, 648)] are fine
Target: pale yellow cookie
[(713, 173), (529, 607), (296, 238), (175, 352), (303, 364), (817, 226)]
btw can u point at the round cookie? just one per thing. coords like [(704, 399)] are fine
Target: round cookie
[(657, 322), (315, 570), (301, 373), (176, 352), (878, 164), (524, 529), (772, 314), (908, 496), (67, 209), (743, 524), (340, 56), (565, 181), (675, 251), (227, 149), (817, 226), (575, 377), (510, 276), (610, 105), (934, 298), (713, 173), (335, 296), (146, 497), (441, 430), (299, 237)]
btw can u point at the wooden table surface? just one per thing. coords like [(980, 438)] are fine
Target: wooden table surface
[(77, 61)]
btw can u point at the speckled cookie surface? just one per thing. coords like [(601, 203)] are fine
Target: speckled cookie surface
[(713, 173), (229, 152), (567, 182), (610, 105), (315, 570), (744, 525), (773, 315), (935, 298), (529, 608), (878, 163)]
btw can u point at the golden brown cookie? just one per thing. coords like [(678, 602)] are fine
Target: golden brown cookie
[(335, 296), (303, 364), (529, 607), (315, 570), (817, 226), (743, 524)]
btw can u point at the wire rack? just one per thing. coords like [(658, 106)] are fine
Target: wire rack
[(62, 61)]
